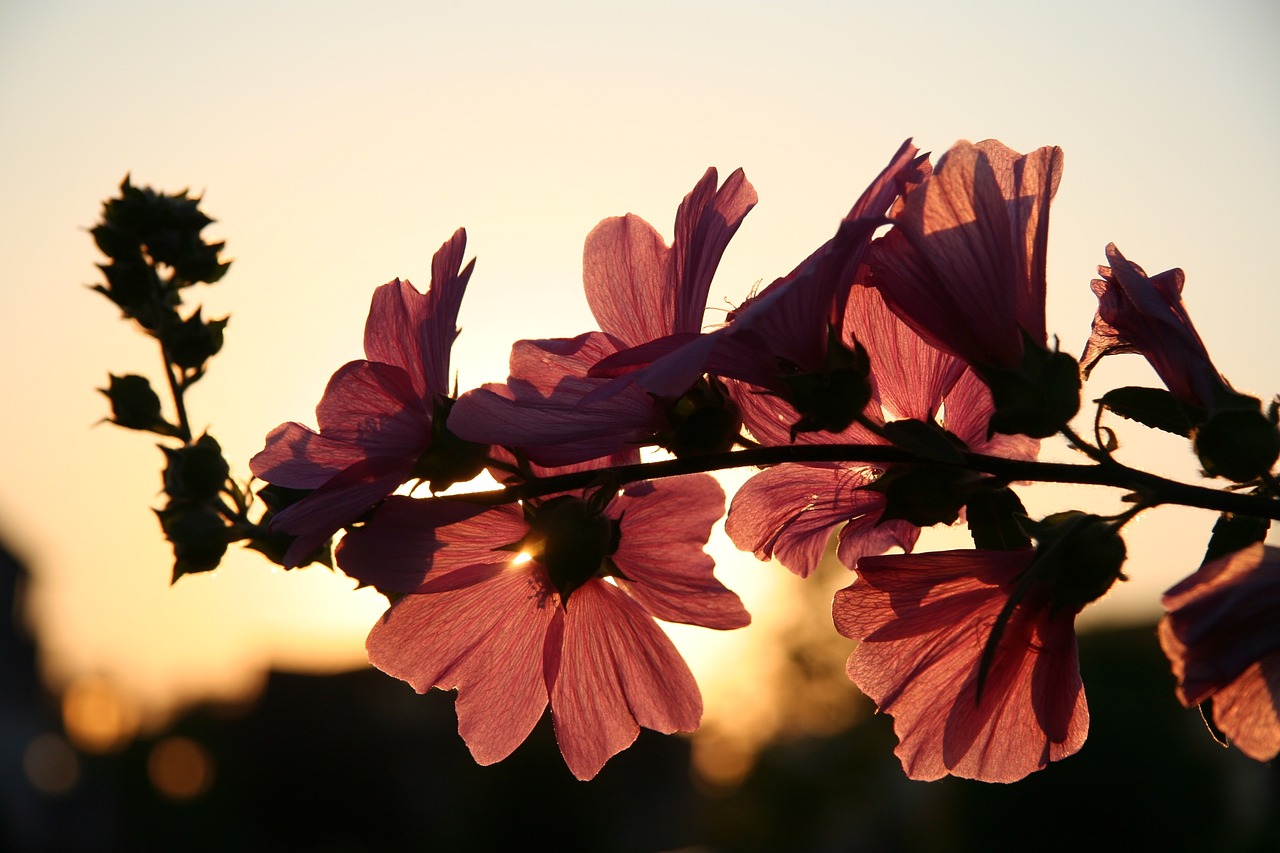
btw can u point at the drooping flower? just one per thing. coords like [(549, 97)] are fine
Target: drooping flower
[(554, 604), (1232, 436), (1142, 314), (379, 416), (925, 622), (639, 290), (1221, 633), (964, 264)]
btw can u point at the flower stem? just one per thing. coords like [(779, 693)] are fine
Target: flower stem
[(1153, 489)]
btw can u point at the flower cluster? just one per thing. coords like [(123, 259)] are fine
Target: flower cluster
[(901, 376)]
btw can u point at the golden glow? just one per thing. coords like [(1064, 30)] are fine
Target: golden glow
[(97, 716), (179, 768), (217, 634), (720, 761), (521, 558)]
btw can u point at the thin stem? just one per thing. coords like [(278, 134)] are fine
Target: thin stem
[(1086, 448), (184, 425), (1153, 489), (165, 313)]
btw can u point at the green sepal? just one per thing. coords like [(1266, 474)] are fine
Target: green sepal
[(923, 495), (274, 545), (831, 399), (448, 459), (135, 288), (1037, 399), (926, 440), (571, 539), (704, 420), (1079, 554)]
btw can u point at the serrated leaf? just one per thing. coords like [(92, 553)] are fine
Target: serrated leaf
[(1152, 407), (993, 520)]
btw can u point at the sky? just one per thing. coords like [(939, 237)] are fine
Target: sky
[(338, 145)]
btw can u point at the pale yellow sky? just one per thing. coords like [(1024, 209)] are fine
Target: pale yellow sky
[(339, 145)]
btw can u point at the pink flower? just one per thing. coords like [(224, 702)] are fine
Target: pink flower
[(789, 511), (924, 621), (639, 290), (965, 263), (376, 415), (512, 634), (1221, 633), (784, 329), (1146, 315)]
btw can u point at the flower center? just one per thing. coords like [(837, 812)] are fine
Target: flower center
[(572, 540)]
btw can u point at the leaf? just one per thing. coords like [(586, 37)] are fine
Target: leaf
[(1152, 407), (993, 519), (1234, 532)]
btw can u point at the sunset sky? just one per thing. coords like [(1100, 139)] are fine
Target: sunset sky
[(339, 145)]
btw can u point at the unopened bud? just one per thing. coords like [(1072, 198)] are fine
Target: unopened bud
[(1239, 444), (197, 472)]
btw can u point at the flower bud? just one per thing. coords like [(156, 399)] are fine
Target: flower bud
[(1239, 444), (448, 459), (199, 536), (135, 406), (704, 420), (195, 341), (274, 544), (1079, 555), (197, 472)]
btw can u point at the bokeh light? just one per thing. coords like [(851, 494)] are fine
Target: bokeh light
[(180, 768), (97, 715), (50, 764)]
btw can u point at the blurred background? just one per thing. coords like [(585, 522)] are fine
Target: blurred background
[(338, 146)]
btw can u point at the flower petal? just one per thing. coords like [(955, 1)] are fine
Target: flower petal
[(395, 550), (664, 527), (416, 331), (924, 622), (617, 671), (298, 457), (374, 405), (790, 511), (1246, 709), (638, 288), (340, 501), (485, 640), (557, 429), (965, 264)]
